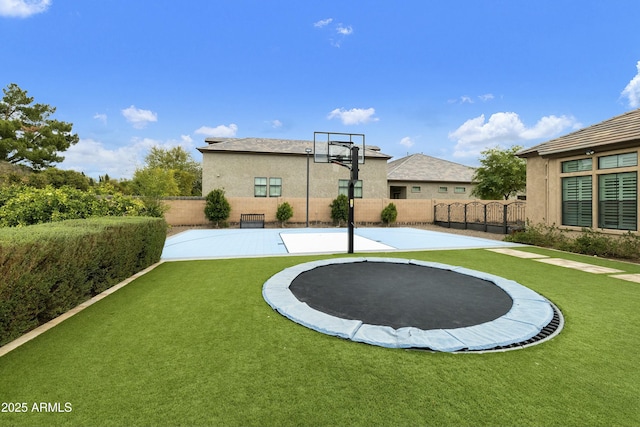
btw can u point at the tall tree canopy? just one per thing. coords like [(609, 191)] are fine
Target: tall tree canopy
[(28, 134), (185, 172), (501, 175)]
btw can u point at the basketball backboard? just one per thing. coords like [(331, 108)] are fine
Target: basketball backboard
[(335, 147)]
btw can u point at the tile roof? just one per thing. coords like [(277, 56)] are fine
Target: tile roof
[(624, 128), (420, 167), (272, 146)]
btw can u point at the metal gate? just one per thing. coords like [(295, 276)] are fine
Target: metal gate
[(492, 217)]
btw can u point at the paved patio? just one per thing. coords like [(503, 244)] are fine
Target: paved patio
[(231, 243)]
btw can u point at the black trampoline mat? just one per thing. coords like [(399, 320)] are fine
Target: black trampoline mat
[(401, 295)]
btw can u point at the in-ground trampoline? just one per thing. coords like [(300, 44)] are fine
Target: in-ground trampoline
[(401, 303)]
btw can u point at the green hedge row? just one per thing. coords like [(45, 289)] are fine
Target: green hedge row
[(47, 269)]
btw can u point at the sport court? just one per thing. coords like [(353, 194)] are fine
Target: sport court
[(230, 243)]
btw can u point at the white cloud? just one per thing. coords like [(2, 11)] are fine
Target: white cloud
[(465, 99), (407, 141), (337, 32), (139, 118), (354, 116), (222, 130), (344, 30), (276, 124), (23, 8), (101, 117), (94, 158), (632, 90), (504, 128), (323, 23)]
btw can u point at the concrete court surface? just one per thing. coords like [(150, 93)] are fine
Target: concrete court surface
[(238, 243)]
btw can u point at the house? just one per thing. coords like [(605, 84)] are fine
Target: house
[(261, 167), (588, 178), (419, 176)]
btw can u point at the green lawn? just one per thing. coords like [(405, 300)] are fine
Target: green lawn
[(194, 343)]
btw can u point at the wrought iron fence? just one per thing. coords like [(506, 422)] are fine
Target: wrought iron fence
[(493, 217)]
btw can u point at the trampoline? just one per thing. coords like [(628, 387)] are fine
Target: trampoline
[(400, 303)]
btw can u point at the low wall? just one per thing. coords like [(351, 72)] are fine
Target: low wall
[(190, 211)]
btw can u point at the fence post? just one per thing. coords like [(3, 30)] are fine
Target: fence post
[(504, 219), (465, 215), (485, 218)]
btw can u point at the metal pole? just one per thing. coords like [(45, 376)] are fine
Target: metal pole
[(307, 150), (352, 185)]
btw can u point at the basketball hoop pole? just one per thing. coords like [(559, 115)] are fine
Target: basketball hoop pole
[(352, 185)]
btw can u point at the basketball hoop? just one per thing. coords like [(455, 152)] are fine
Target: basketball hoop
[(344, 149)]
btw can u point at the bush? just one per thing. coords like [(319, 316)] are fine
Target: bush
[(588, 241), (22, 206), (284, 212), (48, 269), (217, 207), (389, 214), (340, 209), (539, 235)]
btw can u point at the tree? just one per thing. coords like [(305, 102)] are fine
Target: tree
[(340, 209), (28, 135), (284, 212), (501, 175), (155, 182), (187, 172), (217, 207)]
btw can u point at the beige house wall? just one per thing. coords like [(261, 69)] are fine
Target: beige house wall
[(544, 187), (430, 190), (367, 211), (538, 190), (235, 173)]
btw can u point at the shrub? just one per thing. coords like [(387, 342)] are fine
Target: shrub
[(588, 241), (48, 269), (539, 235), (284, 212), (340, 209), (22, 206), (217, 207), (389, 214)]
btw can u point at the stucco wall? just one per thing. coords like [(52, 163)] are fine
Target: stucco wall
[(235, 173), (537, 199), (431, 190), (544, 187)]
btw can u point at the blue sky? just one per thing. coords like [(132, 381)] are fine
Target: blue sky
[(443, 78)]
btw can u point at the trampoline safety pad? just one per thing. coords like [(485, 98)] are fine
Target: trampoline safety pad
[(307, 301)]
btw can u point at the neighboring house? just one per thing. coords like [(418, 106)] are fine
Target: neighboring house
[(419, 176), (588, 178), (260, 167)]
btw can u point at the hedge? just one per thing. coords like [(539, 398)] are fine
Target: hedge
[(47, 269)]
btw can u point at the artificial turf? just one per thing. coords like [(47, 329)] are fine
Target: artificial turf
[(194, 343)]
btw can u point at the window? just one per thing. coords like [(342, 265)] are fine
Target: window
[(260, 187), (442, 189), (415, 189), (460, 190), (275, 187), (618, 161), (576, 201), (618, 200), (343, 188), (577, 165)]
